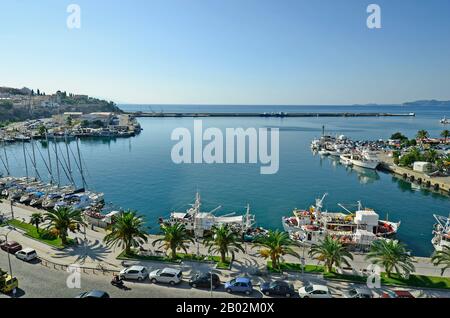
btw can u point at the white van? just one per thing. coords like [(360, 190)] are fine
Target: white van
[(27, 254)]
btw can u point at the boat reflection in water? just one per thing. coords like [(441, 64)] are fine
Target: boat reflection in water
[(365, 176)]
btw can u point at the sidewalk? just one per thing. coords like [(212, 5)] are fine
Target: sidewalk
[(93, 252)]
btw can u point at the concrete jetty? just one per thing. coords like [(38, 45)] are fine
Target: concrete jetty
[(272, 114), (432, 182)]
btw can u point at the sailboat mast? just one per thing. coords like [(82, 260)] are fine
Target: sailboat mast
[(57, 165), (81, 166), (6, 163), (25, 158), (49, 158), (34, 158)]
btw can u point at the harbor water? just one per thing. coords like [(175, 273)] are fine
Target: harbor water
[(138, 173)]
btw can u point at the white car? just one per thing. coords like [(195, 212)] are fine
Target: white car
[(314, 291), (134, 272), (167, 275), (27, 254)]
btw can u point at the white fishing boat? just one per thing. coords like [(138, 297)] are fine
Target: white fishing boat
[(201, 223), (352, 228), (441, 233), (365, 159), (444, 121)]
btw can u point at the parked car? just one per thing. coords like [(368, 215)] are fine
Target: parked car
[(239, 285), (167, 275), (358, 293), (27, 254), (11, 247), (204, 279), (134, 272), (397, 294), (93, 294), (278, 287), (314, 291), (10, 283)]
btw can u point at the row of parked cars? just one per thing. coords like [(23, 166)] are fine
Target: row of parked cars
[(244, 285), (12, 247)]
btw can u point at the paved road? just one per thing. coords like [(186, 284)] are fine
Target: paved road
[(36, 280)]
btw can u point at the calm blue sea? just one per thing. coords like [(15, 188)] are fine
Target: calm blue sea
[(138, 173)]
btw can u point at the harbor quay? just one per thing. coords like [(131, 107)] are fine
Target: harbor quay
[(92, 255), (266, 114)]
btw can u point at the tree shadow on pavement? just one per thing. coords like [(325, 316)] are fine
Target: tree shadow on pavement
[(93, 251)]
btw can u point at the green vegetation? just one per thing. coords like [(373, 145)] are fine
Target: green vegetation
[(128, 230), (223, 241), (41, 235), (399, 136), (295, 267), (133, 255), (36, 219), (63, 220), (397, 280), (442, 258), (392, 255), (175, 237), (275, 245), (331, 252)]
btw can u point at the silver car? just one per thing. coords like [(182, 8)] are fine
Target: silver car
[(134, 272), (167, 275), (27, 254)]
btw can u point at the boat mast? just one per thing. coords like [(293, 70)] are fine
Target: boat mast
[(5, 163), (49, 157), (25, 159), (68, 158), (81, 166), (36, 173), (57, 165)]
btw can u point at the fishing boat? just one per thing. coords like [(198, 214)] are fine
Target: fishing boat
[(201, 223), (361, 227), (441, 233), (365, 159), (444, 121)]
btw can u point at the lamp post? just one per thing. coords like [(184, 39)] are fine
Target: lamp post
[(9, 256)]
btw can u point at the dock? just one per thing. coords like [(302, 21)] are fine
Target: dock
[(431, 182), (277, 114)]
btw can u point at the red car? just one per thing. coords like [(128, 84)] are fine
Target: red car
[(397, 294), (11, 247)]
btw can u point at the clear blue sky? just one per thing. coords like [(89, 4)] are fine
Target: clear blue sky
[(229, 51)]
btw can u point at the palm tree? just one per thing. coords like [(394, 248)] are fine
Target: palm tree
[(63, 220), (392, 255), (174, 237), (442, 258), (331, 252), (275, 245), (445, 134), (431, 155), (36, 219), (422, 134), (223, 241), (127, 230)]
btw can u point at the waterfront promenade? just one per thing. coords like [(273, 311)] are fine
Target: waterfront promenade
[(91, 252)]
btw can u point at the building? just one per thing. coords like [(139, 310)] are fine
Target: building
[(422, 166)]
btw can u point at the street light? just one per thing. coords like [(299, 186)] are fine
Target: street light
[(9, 256)]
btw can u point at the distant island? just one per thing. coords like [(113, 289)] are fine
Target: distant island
[(431, 102), (24, 103)]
